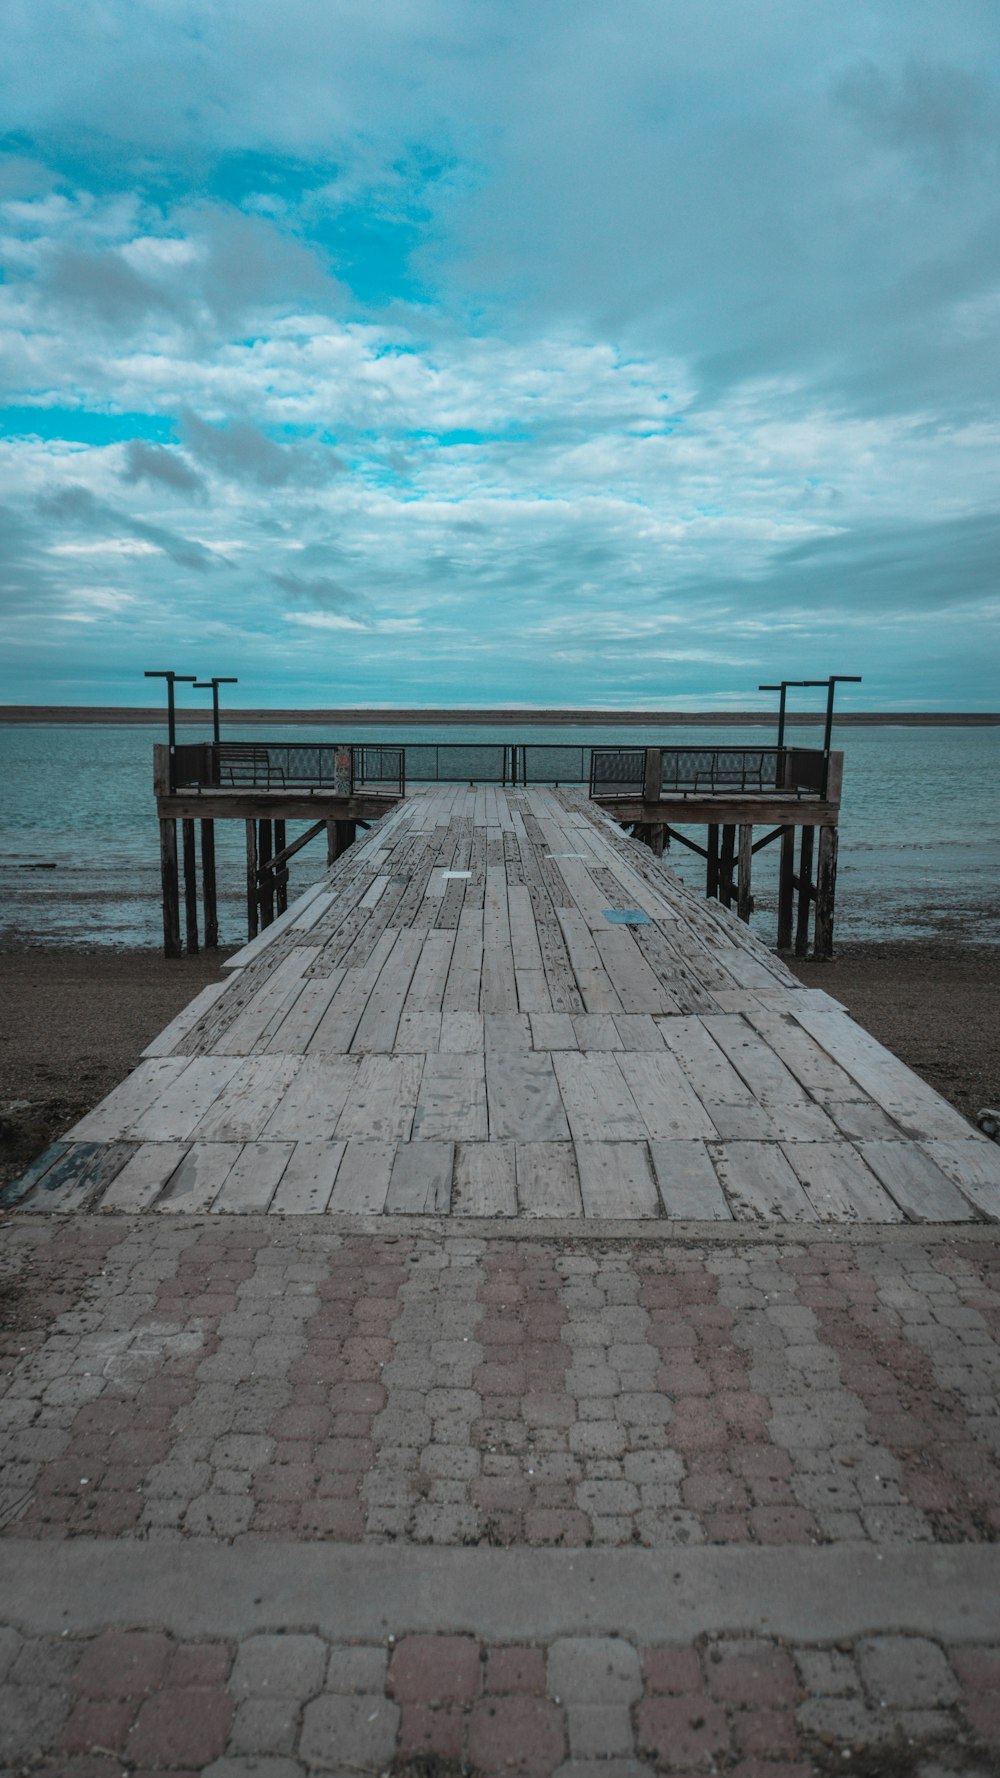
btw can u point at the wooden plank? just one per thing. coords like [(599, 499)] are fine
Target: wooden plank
[(772, 1123), (916, 1182), (915, 1106), (253, 1180), (710, 1073), (452, 1099), (421, 1179), (769, 1080), (431, 973), (336, 1028), (382, 1099), (523, 932), (638, 988), (201, 1174), (596, 1031), (533, 993), (667, 1104), (596, 988), (598, 1103), (484, 1183), (143, 1177), (117, 1114), (272, 1001), (461, 992), (378, 1024), (462, 1032), (862, 1117), (308, 1179), (615, 1180), (687, 1181), (638, 1031), (418, 1032), (523, 1098), (808, 1061), (506, 1031), (760, 1183), (547, 1180), (80, 1175), (839, 1185), (248, 1100), (311, 1104), (300, 1021), (498, 990), (363, 1178), (297, 915), (553, 1031), (973, 1164), (179, 1109), (178, 1028)]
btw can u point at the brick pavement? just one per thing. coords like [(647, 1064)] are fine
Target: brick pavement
[(210, 1383), (283, 1706)]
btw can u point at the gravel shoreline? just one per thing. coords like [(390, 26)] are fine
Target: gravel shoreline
[(76, 1021)]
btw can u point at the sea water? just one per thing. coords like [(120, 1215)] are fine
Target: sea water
[(919, 833)]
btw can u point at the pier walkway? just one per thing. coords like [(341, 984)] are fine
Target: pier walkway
[(497, 1005), (488, 1338)]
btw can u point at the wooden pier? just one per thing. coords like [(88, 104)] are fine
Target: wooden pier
[(496, 1005)]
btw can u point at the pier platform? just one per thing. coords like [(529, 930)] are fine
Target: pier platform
[(496, 1005), (508, 1328)]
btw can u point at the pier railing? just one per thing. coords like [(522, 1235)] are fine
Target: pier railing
[(346, 768)]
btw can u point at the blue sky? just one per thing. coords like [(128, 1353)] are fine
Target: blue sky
[(450, 352)]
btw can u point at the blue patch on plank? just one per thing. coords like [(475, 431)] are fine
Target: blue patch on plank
[(626, 916)]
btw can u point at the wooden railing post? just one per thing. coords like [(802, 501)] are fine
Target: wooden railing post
[(652, 777), (170, 887)]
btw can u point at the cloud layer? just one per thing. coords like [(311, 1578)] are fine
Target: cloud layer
[(566, 354)]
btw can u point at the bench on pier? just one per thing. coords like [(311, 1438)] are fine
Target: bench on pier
[(245, 764)]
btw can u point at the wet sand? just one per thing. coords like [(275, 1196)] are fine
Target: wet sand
[(76, 1021)]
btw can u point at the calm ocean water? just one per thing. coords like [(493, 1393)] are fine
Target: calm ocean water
[(919, 850)]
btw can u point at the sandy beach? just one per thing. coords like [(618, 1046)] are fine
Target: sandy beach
[(76, 1021)]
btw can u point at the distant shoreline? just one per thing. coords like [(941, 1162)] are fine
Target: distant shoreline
[(128, 715)]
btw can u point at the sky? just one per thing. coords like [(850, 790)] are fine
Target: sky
[(479, 352)]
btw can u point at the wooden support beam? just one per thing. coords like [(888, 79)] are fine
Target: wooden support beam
[(265, 881), (345, 836), (171, 889), (744, 899), (712, 871), (726, 857), (652, 778), (253, 910), (209, 893), (826, 886), (190, 887), (331, 842), (786, 889), (279, 870), (806, 892)]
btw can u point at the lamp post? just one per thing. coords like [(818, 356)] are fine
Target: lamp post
[(831, 683), (172, 679), (202, 685)]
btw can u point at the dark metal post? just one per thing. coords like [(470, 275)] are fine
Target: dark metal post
[(202, 685), (782, 687), (172, 679), (831, 684)]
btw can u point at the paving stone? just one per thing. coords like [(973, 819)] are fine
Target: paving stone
[(340, 1731), (596, 1731), (435, 1670), (906, 1672), (593, 1669), (356, 1669)]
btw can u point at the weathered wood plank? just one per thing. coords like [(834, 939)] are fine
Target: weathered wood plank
[(178, 1028), (421, 1179), (523, 1098), (615, 1180), (547, 1180), (973, 1164), (839, 1185), (143, 1177), (598, 1103), (307, 1181), (452, 1099), (180, 1108), (687, 1181), (253, 1179), (311, 1103), (667, 1104), (916, 1183), (363, 1178), (484, 1183), (382, 1099), (200, 1176), (248, 1100), (760, 1183), (117, 1114)]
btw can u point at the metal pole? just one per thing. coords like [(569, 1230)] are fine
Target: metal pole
[(203, 685), (172, 679), (831, 684)]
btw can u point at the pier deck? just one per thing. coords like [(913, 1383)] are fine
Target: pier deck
[(497, 1005)]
